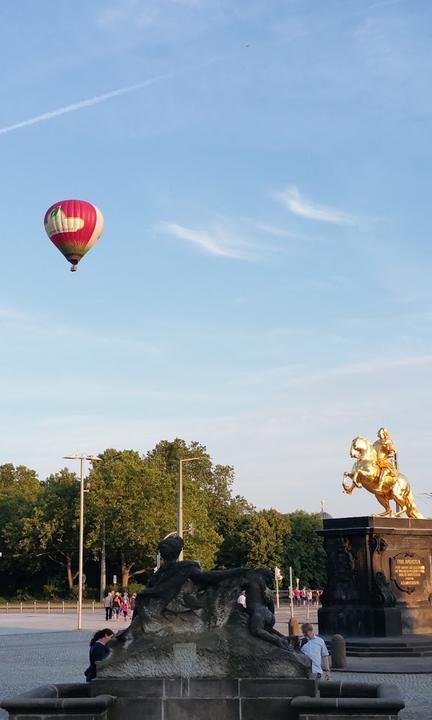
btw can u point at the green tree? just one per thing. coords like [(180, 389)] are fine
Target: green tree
[(133, 504), (201, 485), (19, 480), (52, 530), (19, 488), (304, 550), (207, 499), (258, 539), (119, 510), (234, 549)]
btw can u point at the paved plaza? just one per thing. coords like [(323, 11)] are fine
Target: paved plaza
[(42, 648)]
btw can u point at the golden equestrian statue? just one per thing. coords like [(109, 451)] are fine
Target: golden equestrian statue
[(376, 470)]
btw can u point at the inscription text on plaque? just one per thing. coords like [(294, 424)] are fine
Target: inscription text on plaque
[(408, 571)]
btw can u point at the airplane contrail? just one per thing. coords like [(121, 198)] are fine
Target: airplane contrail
[(85, 103)]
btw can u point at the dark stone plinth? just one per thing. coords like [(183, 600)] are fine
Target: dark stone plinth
[(164, 699), (68, 702), (205, 687), (203, 698), (379, 577), (387, 651), (356, 701)]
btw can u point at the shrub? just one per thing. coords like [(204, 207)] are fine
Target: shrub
[(51, 590)]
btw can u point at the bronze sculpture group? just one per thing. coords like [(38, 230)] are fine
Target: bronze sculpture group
[(187, 622)]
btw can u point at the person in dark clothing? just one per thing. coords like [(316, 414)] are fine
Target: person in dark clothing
[(98, 651), (108, 605)]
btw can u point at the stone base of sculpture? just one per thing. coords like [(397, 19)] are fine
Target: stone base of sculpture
[(222, 652), (379, 577), (204, 698)]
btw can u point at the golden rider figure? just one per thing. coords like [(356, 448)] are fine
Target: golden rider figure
[(386, 455)]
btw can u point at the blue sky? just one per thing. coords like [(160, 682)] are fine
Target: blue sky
[(263, 281)]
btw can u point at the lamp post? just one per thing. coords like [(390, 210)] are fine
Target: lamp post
[(81, 458), (180, 499), (291, 592)]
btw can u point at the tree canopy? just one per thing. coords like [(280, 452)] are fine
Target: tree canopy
[(52, 529), (304, 549), (130, 505)]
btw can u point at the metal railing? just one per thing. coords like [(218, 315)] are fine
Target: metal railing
[(47, 606)]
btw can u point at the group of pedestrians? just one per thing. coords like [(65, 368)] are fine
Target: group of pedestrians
[(117, 605), (306, 596)]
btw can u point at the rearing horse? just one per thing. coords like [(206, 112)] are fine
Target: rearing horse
[(366, 473)]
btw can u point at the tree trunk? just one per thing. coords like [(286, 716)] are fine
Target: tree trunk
[(69, 572), (138, 572), (125, 569)]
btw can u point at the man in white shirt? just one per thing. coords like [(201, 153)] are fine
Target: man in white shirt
[(315, 648), (241, 600)]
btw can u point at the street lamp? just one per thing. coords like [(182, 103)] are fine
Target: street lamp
[(81, 458), (180, 499)]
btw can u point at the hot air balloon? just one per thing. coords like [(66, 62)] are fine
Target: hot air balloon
[(73, 226)]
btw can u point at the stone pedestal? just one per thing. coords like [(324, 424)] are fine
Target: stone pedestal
[(379, 577), (204, 698)]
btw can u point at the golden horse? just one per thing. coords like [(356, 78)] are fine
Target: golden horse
[(389, 486)]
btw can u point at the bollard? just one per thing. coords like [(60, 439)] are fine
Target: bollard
[(21, 608), (7, 608), (63, 607), (49, 607), (293, 626), (338, 652), (34, 606), (93, 605)]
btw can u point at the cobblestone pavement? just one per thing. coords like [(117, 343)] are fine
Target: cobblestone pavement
[(31, 656), (416, 690), (29, 660), (15, 623)]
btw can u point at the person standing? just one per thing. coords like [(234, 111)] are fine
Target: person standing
[(133, 601), (98, 651), (125, 607), (116, 606), (241, 600), (108, 605), (315, 648)]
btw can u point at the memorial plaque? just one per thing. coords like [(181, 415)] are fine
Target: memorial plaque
[(408, 572)]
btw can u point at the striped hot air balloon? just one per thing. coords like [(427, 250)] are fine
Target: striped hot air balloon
[(73, 226)]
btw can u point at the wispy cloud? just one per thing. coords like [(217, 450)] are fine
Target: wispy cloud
[(292, 199), (383, 3), (369, 367), (27, 327), (81, 104), (10, 314), (276, 231), (214, 241), (142, 15)]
